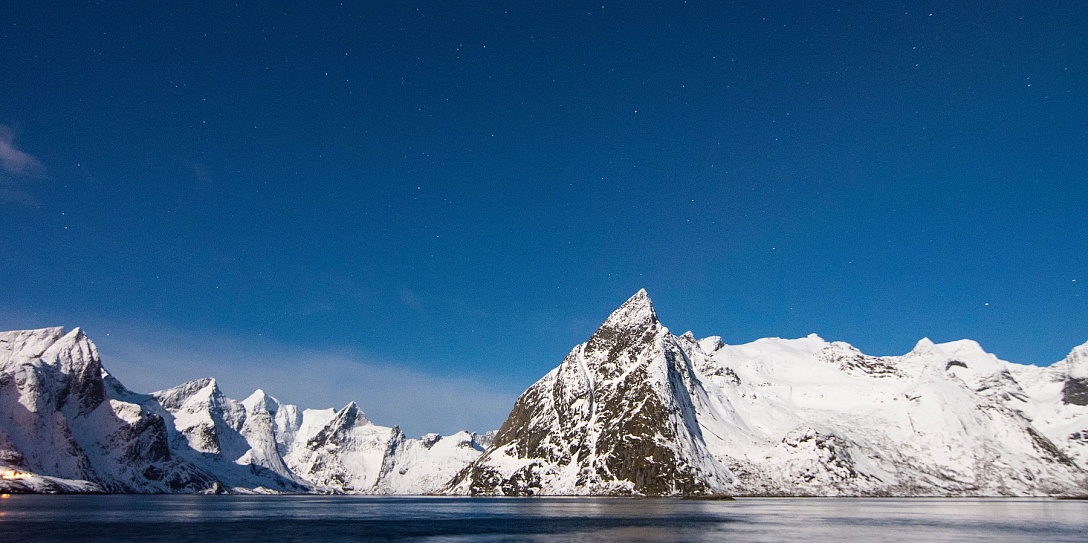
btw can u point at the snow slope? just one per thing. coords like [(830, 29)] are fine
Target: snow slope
[(66, 425), (637, 410), (60, 421)]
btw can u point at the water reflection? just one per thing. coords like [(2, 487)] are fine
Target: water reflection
[(344, 518)]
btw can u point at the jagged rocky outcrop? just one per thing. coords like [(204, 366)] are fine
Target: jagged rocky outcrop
[(638, 410), (58, 419), (618, 416), (1075, 386), (66, 425)]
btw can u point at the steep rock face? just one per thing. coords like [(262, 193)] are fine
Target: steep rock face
[(637, 410), (206, 420), (1052, 399), (35, 385), (63, 422), (66, 425), (268, 429), (1075, 387), (427, 463), (343, 451), (618, 416), (230, 439), (346, 453)]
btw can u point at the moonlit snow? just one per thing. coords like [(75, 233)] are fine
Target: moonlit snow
[(634, 410)]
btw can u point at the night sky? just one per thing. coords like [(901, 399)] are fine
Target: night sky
[(423, 206)]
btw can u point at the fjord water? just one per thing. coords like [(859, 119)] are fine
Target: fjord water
[(204, 519)]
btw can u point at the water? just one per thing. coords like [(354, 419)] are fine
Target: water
[(206, 519)]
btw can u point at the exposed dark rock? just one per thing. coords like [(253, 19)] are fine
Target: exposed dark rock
[(1075, 391), (1044, 444), (832, 454), (147, 440), (955, 363), (429, 440), (855, 362), (1003, 386), (621, 422)]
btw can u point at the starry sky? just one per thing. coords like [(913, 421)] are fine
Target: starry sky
[(422, 206)]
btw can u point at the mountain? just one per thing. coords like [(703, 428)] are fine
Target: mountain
[(637, 410), (61, 422), (66, 425), (618, 416)]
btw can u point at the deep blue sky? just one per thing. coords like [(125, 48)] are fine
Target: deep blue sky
[(459, 193)]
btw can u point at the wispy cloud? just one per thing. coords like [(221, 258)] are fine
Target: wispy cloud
[(390, 393), (16, 167), (14, 160)]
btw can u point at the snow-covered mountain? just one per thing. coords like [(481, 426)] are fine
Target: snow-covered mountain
[(634, 410), (67, 425), (638, 410)]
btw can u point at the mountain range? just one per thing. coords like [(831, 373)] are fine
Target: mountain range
[(635, 410), (66, 425)]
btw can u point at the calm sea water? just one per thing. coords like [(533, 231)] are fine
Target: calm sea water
[(208, 519)]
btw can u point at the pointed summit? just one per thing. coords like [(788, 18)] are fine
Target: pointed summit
[(636, 312), (924, 345), (617, 417), (633, 324), (349, 417), (204, 390), (260, 401), (1077, 362)]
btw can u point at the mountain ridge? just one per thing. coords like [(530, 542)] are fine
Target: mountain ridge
[(67, 425), (634, 410), (784, 417)]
